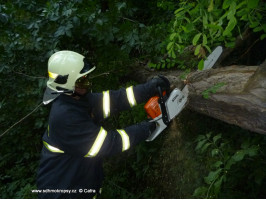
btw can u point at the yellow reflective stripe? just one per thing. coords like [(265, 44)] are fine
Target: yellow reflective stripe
[(48, 131), (52, 75), (130, 96), (98, 143), (51, 148), (125, 139), (106, 104)]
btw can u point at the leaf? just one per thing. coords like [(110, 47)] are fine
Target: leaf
[(200, 144), (201, 64), (210, 8), (200, 137), (60, 31), (189, 27), (239, 155), (172, 53), (208, 48), (257, 29), (252, 151), (229, 163), (212, 176), (178, 10), (216, 87), (254, 24), (232, 10), (121, 5), (209, 135), (201, 191), (217, 185), (217, 137), (172, 36), (215, 152), (217, 164), (230, 26), (204, 41), (152, 65), (263, 36), (99, 22), (230, 44), (195, 39), (226, 3), (205, 21), (205, 147), (170, 45), (197, 50), (252, 3)]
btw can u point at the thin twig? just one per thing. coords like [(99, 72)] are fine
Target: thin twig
[(131, 20), (248, 49), (106, 73), (28, 75), (21, 120)]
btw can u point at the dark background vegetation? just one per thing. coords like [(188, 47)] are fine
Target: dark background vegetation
[(197, 157)]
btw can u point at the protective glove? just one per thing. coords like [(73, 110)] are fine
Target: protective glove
[(160, 81), (152, 127)]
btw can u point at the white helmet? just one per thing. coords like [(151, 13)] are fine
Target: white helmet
[(64, 69)]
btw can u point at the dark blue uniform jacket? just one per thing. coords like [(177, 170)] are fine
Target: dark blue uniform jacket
[(64, 171)]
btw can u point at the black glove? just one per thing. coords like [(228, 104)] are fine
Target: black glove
[(162, 82)]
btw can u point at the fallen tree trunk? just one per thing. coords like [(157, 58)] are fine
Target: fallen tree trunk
[(240, 101), (233, 94)]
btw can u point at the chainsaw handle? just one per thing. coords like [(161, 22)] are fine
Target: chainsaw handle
[(161, 101), (160, 126)]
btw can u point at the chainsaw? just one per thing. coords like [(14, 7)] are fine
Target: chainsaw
[(163, 108)]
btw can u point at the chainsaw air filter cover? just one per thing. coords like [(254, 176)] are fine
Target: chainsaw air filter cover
[(152, 107)]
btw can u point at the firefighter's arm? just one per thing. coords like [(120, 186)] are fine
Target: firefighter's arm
[(109, 143), (113, 101), (95, 141)]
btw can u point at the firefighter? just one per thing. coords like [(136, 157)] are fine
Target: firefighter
[(75, 143)]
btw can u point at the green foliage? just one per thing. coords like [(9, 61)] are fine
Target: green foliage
[(114, 35), (205, 24), (213, 90), (226, 159)]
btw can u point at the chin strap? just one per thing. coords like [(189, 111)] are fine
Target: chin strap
[(63, 92)]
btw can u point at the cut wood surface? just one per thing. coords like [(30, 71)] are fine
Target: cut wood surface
[(241, 99)]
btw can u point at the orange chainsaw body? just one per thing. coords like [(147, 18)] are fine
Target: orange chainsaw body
[(152, 107)]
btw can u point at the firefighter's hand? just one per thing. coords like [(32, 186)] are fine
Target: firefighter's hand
[(161, 81)]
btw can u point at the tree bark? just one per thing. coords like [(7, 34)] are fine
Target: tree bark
[(240, 99)]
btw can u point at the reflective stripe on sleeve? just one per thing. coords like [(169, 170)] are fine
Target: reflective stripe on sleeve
[(52, 75), (106, 104), (51, 148), (125, 139), (97, 143), (130, 96)]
